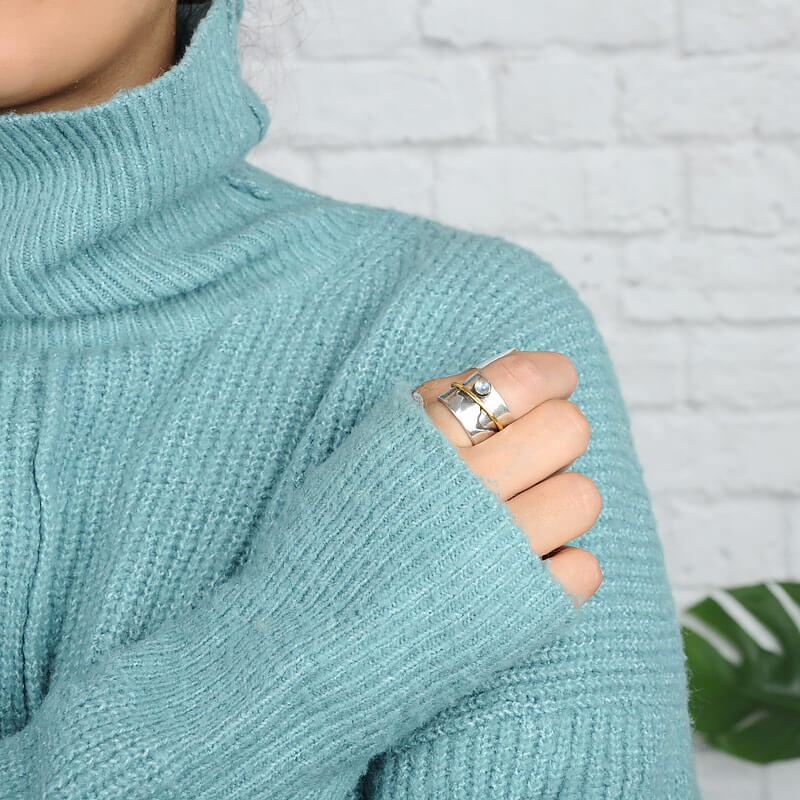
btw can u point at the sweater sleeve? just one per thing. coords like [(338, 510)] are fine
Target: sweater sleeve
[(384, 586), (600, 712)]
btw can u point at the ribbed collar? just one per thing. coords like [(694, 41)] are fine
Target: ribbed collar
[(76, 186)]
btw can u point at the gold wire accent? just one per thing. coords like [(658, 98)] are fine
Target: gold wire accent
[(478, 400)]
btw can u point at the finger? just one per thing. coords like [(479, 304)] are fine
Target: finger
[(523, 379), (557, 510), (578, 571), (531, 449)]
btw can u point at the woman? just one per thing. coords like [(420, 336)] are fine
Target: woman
[(240, 557)]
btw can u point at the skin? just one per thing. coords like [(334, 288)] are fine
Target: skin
[(524, 463), (125, 44), (65, 54)]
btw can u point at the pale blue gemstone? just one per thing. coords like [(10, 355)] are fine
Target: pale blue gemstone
[(481, 386)]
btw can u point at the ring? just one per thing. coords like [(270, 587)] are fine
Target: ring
[(478, 406)]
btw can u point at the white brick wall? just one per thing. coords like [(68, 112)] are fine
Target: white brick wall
[(651, 151)]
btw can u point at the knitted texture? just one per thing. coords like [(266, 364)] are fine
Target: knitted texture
[(237, 559)]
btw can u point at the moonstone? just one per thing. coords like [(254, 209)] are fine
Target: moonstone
[(481, 386)]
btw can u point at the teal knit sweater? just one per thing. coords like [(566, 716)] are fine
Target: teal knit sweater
[(237, 560)]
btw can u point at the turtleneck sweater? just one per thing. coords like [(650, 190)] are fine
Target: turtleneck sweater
[(237, 559)]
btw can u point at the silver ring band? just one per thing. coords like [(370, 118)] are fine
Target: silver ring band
[(478, 407)]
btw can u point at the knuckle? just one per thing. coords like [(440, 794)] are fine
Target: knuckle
[(593, 571), (578, 422), (578, 571), (569, 366), (571, 417), (587, 494), (522, 369)]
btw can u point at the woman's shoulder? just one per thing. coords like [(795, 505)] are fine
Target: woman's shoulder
[(412, 293), (408, 249)]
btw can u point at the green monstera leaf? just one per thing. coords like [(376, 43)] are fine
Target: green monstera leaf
[(743, 651)]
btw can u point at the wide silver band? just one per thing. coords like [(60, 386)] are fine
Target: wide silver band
[(478, 406)]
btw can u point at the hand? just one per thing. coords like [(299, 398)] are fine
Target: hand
[(524, 463)]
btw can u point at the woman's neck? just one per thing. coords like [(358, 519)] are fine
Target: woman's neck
[(144, 55), (102, 207)]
